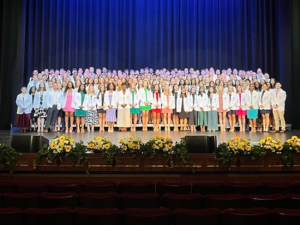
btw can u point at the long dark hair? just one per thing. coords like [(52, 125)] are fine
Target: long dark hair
[(84, 91), (67, 87)]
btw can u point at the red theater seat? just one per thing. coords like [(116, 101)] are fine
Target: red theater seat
[(292, 201), (99, 200), (136, 187), (269, 201), (224, 201), (188, 201), (109, 216), (246, 216), (129, 200), (156, 216), (209, 216), (65, 187), (10, 216), (208, 188), (100, 187), (57, 216), (22, 201), (286, 216), (243, 188), (7, 186), (275, 188), (173, 187), (30, 187), (58, 200)]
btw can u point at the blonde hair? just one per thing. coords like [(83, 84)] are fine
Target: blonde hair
[(91, 90)]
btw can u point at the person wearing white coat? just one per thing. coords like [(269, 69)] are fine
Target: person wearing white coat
[(68, 105), (123, 121), (223, 107), (168, 104), (241, 108), (100, 107), (24, 103), (183, 108), (90, 105), (145, 103), (278, 98), (232, 107), (40, 105), (265, 106), (110, 105), (213, 105), (80, 111), (134, 100), (193, 119), (156, 106), (252, 98), (202, 108)]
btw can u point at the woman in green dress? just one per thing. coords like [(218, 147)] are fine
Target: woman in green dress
[(80, 113)]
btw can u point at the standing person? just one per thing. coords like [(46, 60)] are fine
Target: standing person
[(90, 105), (145, 105), (54, 105), (156, 107), (265, 107), (252, 106), (202, 108), (40, 106), (175, 93), (168, 104), (24, 103), (123, 108), (278, 98), (100, 107), (193, 114), (134, 100), (213, 105), (111, 104), (232, 106), (80, 111), (183, 107), (223, 107), (68, 106), (33, 119), (241, 108)]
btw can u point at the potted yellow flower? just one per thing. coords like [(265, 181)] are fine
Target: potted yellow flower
[(290, 148)]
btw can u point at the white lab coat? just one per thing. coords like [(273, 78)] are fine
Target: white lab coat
[(279, 99)]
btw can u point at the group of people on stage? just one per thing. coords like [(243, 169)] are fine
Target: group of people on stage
[(184, 98)]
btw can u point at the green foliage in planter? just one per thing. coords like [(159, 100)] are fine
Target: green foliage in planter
[(8, 157), (224, 154)]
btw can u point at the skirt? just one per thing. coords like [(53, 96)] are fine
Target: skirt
[(40, 112), (252, 113), (167, 111), (265, 111), (134, 110), (156, 110), (183, 115), (69, 109), (202, 118), (231, 112), (212, 120), (80, 112), (193, 118), (145, 108), (111, 115), (23, 120), (241, 112), (32, 117), (61, 113), (101, 111), (123, 119), (91, 117)]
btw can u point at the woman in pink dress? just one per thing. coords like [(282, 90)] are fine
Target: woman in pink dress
[(241, 109), (69, 106)]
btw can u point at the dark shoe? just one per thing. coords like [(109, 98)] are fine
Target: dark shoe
[(53, 131), (62, 130), (275, 131)]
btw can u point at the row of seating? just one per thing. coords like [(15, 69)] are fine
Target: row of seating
[(148, 200), (157, 216), (152, 187)]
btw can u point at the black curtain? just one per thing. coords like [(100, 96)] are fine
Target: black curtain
[(119, 34)]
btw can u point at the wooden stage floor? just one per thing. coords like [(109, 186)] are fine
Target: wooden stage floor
[(116, 136)]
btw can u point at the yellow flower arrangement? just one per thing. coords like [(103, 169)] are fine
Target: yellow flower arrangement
[(99, 144), (294, 144), (270, 144), (61, 144), (130, 145), (238, 144), (160, 143)]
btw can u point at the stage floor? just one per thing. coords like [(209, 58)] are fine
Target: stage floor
[(116, 136)]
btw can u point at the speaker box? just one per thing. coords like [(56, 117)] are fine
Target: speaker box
[(5, 139), (201, 144), (28, 143)]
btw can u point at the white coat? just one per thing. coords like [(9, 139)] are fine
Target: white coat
[(233, 102), (164, 101), (186, 104), (51, 99), (155, 101), (202, 102), (136, 100), (252, 100), (123, 99), (214, 102), (114, 101), (225, 98), (278, 99), (241, 102), (24, 103), (64, 99), (143, 96), (90, 100), (36, 102), (264, 100)]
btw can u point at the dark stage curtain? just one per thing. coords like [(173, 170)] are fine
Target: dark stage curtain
[(119, 34)]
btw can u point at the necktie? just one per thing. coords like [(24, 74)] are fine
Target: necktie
[(262, 95)]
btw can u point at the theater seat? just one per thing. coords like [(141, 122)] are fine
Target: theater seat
[(148, 200), (32, 187), (243, 188), (246, 216), (10, 216), (8, 186), (136, 187), (109, 216), (188, 201), (202, 188), (65, 187), (224, 201), (152, 216), (21, 200), (99, 200), (286, 216), (173, 187), (292, 201), (275, 188), (100, 187), (57, 216), (209, 216), (270, 201), (58, 200)]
